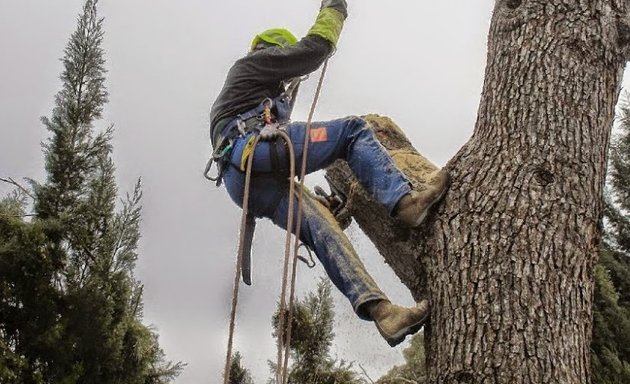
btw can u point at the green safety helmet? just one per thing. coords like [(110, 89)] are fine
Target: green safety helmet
[(275, 36)]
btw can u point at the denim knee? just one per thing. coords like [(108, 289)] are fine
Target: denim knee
[(356, 124)]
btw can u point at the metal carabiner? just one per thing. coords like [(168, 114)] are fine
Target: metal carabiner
[(215, 158), (206, 172)]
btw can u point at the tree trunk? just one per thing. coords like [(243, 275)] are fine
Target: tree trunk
[(507, 258)]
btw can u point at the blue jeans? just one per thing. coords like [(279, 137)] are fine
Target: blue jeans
[(350, 139)]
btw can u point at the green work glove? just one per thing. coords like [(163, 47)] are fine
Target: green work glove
[(330, 20), (339, 5)]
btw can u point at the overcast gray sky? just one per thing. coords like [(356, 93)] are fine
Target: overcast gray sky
[(420, 62)]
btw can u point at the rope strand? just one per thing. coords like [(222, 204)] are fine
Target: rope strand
[(239, 259), (282, 358), (298, 226)]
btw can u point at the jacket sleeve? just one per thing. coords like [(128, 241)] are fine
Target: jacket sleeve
[(328, 25), (277, 64)]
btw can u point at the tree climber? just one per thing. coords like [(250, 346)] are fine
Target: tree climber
[(268, 76)]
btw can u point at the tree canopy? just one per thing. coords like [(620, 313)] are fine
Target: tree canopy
[(70, 306), (312, 336)]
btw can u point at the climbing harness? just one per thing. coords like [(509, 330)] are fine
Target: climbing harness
[(283, 105), (248, 121)]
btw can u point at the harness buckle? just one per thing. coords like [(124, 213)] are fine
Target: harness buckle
[(267, 116), (241, 126)]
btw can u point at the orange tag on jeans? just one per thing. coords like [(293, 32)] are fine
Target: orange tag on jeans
[(319, 135)]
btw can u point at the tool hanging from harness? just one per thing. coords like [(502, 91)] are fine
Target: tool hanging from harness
[(275, 111)]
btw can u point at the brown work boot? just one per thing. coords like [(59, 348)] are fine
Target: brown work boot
[(412, 208), (394, 322)]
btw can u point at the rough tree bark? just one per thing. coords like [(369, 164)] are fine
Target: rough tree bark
[(507, 258)]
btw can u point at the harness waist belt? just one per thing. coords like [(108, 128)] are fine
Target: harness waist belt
[(281, 106), (242, 124)]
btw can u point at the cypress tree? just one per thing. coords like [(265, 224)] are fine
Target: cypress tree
[(76, 318), (29, 300)]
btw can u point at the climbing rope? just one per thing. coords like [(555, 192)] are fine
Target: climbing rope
[(289, 258), (298, 226), (241, 244)]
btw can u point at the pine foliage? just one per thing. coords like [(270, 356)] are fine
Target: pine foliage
[(611, 332), (311, 339), (619, 180), (611, 312), (414, 370), (71, 309), (238, 373)]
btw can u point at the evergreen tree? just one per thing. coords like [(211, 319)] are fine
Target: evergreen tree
[(71, 307), (239, 374), (619, 180), (414, 370), (311, 338), (611, 332), (29, 300), (611, 315)]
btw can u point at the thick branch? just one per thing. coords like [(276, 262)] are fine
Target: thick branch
[(401, 247)]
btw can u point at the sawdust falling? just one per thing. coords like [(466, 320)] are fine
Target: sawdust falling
[(336, 240)]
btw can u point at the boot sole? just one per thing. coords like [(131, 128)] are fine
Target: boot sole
[(399, 337), (434, 201)]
